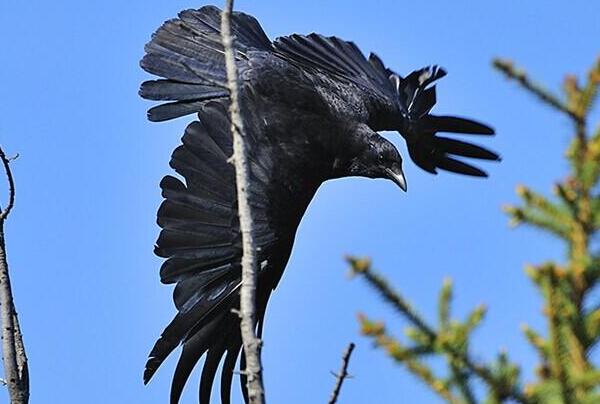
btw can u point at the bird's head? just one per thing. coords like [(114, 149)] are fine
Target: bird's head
[(378, 158)]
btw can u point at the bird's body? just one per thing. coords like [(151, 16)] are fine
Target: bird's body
[(312, 107)]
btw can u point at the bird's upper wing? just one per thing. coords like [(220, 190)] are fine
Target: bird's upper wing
[(187, 52), (342, 59)]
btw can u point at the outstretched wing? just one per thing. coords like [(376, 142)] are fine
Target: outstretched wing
[(201, 242), (342, 59), (188, 53)]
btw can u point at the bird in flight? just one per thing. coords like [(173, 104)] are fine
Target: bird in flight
[(312, 106)]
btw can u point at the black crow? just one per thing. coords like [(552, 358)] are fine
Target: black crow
[(312, 107)]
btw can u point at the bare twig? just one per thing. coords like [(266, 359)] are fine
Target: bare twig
[(16, 376), (251, 343), (343, 374), (11, 185)]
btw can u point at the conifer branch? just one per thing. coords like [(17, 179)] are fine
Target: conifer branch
[(537, 342), (444, 304), (534, 218), (558, 350), (446, 343), (572, 329), (363, 267), (509, 70), (406, 356), (461, 377), (592, 327)]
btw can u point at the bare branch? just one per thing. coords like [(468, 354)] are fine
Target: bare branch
[(343, 374), (11, 184), (15, 361), (251, 343), (22, 366)]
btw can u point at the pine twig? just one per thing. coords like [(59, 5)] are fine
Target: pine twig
[(363, 267), (557, 351), (16, 375), (461, 378), (408, 357), (252, 343), (543, 94), (343, 374)]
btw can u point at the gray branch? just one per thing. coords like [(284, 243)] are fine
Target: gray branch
[(11, 185), (252, 344), (16, 375), (343, 374)]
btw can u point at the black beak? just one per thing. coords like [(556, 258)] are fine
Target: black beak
[(397, 176)]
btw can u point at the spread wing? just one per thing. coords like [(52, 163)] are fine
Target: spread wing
[(342, 59), (188, 54), (201, 242)]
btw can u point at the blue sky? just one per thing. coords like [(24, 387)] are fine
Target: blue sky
[(80, 237)]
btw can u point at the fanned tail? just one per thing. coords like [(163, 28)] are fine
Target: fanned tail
[(188, 54), (426, 149)]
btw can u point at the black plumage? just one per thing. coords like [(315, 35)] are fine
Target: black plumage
[(312, 106)]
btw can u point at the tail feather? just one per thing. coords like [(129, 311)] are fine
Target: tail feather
[(452, 124), (429, 151)]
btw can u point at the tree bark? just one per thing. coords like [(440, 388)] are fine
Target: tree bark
[(16, 375), (252, 344), (342, 375)]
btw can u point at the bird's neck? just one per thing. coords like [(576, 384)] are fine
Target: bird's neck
[(348, 145)]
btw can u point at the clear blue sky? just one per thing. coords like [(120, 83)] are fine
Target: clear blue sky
[(80, 237)]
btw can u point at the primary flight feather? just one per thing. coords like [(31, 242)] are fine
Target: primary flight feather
[(312, 107)]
